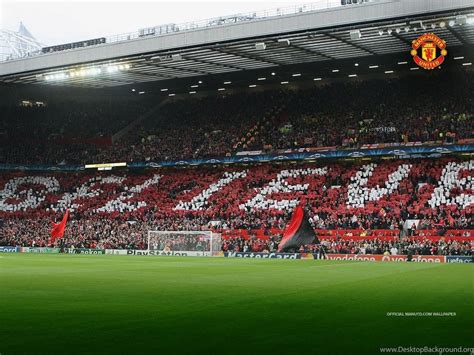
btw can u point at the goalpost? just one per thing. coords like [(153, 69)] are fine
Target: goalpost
[(186, 243)]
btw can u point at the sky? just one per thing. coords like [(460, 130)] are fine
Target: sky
[(59, 22)]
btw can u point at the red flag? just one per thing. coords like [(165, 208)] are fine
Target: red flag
[(298, 232), (58, 228)]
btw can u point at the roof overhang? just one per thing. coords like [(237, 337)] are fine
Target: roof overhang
[(386, 28)]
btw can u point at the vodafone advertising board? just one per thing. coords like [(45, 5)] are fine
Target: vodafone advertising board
[(372, 257)]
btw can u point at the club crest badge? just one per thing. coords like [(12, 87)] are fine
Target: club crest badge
[(429, 51)]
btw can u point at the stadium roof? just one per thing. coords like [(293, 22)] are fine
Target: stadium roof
[(17, 44), (380, 28)]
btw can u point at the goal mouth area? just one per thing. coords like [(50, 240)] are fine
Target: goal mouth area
[(189, 243)]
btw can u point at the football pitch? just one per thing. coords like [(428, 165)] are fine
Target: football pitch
[(107, 304)]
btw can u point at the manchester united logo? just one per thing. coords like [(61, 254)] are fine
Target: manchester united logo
[(429, 43)]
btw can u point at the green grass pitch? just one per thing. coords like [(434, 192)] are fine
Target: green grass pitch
[(66, 304)]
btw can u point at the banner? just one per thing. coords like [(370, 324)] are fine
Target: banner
[(459, 259), (84, 251), (394, 151), (373, 257), (9, 250), (116, 251), (263, 255), (167, 253), (40, 250)]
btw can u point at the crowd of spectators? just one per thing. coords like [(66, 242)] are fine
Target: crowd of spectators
[(210, 126), (114, 234), (343, 115), (63, 132), (434, 194), (351, 115)]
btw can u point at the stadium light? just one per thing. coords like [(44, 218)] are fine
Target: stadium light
[(194, 86), (356, 64), (192, 92), (200, 82), (133, 90), (164, 89), (260, 79), (335, 70), (284, 42), (466, 64), (355, 35), (112, 69), (95, 71), (352, 75), (388, 71), (373, 66), (414, 68), (297, 74), (221, 89), (458, 58), (402, 63), (56, 76), (284, 82), (141, 92), (317, 79), (273, 73), (227, 82), (252, 85), (171, 94)]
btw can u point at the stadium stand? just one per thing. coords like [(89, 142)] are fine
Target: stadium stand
[(340, 115), (423, 199), (62, 132)]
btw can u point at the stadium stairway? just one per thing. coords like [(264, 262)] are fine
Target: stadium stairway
[(124, 131)]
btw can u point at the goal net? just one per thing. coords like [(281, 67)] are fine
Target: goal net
[(186, 243)]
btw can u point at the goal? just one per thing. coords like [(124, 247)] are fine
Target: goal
[(185, 243)]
